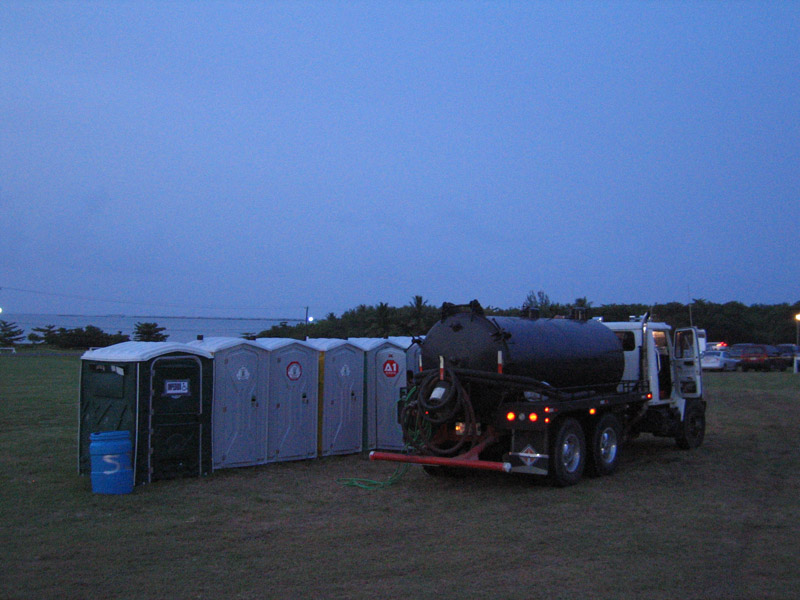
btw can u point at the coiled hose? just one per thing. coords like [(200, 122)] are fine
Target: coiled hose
[(423, 416)]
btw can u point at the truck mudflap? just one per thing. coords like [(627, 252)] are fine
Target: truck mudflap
[(527, 461), (441, 461)]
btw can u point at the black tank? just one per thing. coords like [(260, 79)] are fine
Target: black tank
[(564, 353)]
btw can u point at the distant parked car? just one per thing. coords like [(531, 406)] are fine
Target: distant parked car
[(736, 350), (718, 360), (787, 353), (759, 357)]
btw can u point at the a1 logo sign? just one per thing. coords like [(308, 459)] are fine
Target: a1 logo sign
[(390, 368)]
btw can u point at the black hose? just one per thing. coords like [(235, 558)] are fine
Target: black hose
[(454, 402), (441, 410)]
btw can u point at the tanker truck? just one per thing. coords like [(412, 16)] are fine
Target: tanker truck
[(547, 397)]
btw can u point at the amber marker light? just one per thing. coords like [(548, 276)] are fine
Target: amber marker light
[(592, 411), (533, 417), (510, 416)]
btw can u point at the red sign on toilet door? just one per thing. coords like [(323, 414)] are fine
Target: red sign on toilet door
[(390, 368)]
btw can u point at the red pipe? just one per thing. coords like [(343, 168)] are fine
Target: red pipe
[(441, 461)]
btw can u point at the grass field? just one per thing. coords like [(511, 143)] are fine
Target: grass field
[(718, 522)]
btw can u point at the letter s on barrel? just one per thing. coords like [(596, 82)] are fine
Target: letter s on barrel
[(112, 459)]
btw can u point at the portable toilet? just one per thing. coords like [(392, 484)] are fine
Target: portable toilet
[(241, 401), (292, 414), (161, 393), (385, 378), (341, 396)]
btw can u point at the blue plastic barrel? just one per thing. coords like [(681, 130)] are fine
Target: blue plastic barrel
[(110, 452)]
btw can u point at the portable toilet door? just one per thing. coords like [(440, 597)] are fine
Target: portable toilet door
[(341, 396), (241, 402), (179, 417), (390, 377), (292, 414), (385, 366)]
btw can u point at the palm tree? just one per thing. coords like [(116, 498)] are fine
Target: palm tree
[(583, 302), (418, 305), (382, 318)]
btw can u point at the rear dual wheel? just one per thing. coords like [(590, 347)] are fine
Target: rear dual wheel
[(606, 442), (568, 453)]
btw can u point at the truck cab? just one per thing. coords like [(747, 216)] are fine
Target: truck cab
[(670, 365)]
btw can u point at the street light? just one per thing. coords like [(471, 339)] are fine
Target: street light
[(311, 320), (797, 334)]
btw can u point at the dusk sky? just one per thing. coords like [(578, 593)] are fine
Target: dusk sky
[(253, 158)]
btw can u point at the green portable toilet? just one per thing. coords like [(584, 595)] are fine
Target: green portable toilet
[(160, 392)]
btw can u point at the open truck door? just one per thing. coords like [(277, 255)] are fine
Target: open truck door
[(686, 361)]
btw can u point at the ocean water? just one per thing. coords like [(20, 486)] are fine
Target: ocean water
[(179, 329)]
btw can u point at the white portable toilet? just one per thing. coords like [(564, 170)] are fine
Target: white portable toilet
[(341, 396), (292, 414), (385, 369), (241, 401)]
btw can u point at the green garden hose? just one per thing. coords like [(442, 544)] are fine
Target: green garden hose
[(371, 484)]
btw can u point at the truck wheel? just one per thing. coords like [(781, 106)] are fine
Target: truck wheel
[(692, 429), (568, 454), (606, 439)]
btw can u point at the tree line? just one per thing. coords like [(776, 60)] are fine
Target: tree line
[(79, 337), (731, 322)]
